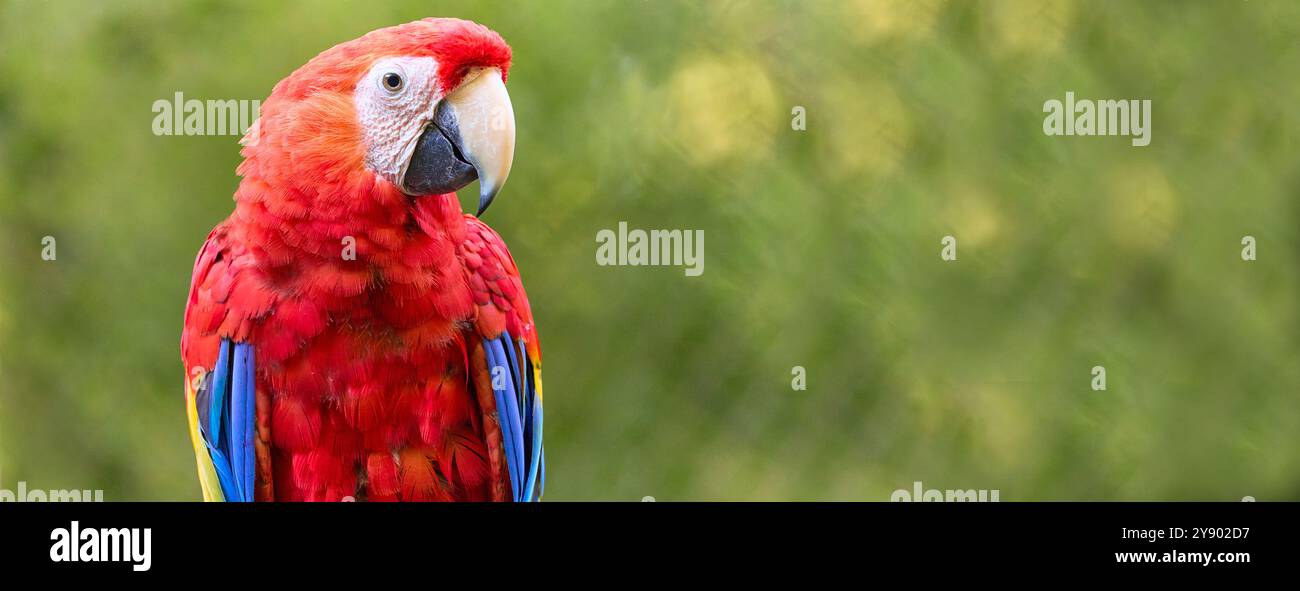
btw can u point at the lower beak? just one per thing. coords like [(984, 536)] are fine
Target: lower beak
[(472, 136)]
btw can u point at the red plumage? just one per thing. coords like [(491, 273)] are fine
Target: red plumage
[(366, 380)]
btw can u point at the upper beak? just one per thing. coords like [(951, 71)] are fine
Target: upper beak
[(472, 135)]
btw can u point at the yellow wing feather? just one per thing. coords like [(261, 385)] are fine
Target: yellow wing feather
[(207, 472)]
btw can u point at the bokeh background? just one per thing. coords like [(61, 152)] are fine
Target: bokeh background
[(822, 246)]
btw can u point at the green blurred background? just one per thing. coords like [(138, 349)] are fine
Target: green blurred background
[(822, 246)]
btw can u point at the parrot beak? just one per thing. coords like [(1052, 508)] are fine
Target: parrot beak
[(472, 135)]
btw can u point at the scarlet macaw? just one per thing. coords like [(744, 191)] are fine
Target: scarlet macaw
[(409, 370)]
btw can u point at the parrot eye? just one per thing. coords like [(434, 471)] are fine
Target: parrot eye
[(392, 82)]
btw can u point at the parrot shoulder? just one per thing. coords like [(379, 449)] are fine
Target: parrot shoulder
[(497, 288), (225, 297)]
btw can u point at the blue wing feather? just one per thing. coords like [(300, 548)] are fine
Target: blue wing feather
[(519, 412), (534, 469), (223, 472), (533, 425), (241, 421), (518, 391), (494, 359), (229, 393), (220, 383), (250, 426), (541, 479), (512, 415), (235, 423)]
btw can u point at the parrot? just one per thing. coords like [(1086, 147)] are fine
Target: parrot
[(350, 333)]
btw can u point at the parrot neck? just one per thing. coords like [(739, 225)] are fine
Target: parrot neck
[(381, 238)]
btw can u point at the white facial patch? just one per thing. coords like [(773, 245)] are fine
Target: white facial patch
[(394, 101)]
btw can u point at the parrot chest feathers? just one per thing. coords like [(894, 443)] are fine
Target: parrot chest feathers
[(380, 389)]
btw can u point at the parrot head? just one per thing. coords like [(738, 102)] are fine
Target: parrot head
[(413, 110)]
